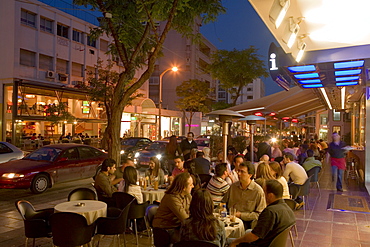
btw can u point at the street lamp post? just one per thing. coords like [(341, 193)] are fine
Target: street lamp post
[(160, 100)]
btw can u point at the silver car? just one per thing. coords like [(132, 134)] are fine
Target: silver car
[(9, 152)]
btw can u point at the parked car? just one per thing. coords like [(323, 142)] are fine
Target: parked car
[(131, 144), (51, 164), (156, 148), (202, 143), (179, 138), (9, 152)]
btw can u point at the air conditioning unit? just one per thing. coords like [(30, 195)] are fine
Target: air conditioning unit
[(63, 77), (75, 83), (50, 74)]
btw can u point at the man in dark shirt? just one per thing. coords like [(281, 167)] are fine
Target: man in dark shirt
[(264, 148), (187, 145), (273, 220), (202, 165)]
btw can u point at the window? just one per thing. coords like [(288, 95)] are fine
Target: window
[(323, 119), (221, 95), (91, 41), (103, 45), (45, 62), (5, 149), (336, 129), (28, 18), (249, 97), (46, 25), (70, 154), (249, 89), (336, 116), (27, 58), (86, 153), (62, 31), (77, 36), (77, 69), (62, 66)]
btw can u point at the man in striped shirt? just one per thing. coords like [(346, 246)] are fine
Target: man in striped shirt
[(218, 186)]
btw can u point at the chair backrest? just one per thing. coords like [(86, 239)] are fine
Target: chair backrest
[(280, 240), (291, 203), (197, 243), (314, 172), (305, 188), (122, 199), (204, 179), (137, 211), (162, 238), (82, 194), (25, 209), (70, 229), (151, 210)]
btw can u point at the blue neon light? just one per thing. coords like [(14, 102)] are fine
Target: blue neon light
[(312, 85), (347, 78), (310, 81), (347, 72), (350, 64), (307, 76), (305, 68), (347, 83)]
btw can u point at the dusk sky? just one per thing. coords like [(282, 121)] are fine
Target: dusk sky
[(240, 28)]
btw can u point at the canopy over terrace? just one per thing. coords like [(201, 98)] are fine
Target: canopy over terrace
[(292, 103)]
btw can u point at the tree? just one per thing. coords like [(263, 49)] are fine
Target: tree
[(236, 69), (137, 42), (193, 96), (56, 113)]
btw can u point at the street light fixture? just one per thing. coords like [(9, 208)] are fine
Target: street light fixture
[(174, 69)]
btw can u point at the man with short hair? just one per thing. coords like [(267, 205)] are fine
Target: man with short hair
[(179, 166), (218, 186), (273, 220), (246, 196), (187, 145), (103, 182), (310, 161), (233, 176), (125, 162), (202, 165)]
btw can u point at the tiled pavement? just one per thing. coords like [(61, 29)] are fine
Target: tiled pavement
[(316, 227)]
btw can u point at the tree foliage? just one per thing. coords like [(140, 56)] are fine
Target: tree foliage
[(193, 95), (56, 113), (139, 29), (236, 69)]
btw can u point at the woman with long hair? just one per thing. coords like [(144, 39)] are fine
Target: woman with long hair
[(277, 173), (155, 171), (174, 207), (263, 173), (201, 217), (172, 150), (130, 186), (189, 167)]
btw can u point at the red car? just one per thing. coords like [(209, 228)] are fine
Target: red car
[(51, 164)]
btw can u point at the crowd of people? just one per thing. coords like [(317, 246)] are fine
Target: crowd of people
[(255, 190)]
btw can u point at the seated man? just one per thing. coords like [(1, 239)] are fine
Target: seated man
[(202, 165), (218, 186), (310, 161), (246, 196), (233, 176), (273, 220), (179, 166), (103, 181)]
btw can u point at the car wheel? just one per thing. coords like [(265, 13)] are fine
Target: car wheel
[(40, 183)]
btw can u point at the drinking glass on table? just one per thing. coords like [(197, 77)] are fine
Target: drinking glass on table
[(232, 212)]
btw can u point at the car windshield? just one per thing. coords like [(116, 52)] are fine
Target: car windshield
[(45, 153), (156, 146), (129, 142), (202, 143)]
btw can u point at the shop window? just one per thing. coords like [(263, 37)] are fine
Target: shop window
[(27, 58), (85, 107), (77, 36), (323, 119), (28, 18), (336, 129), (46, 25), (77, 69), (336, 116), (62, 30), (45, 62)]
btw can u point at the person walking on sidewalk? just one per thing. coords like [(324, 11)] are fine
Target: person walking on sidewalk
[(337, 159)]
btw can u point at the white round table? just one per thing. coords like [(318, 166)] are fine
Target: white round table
[(234, 231), (152, 195), (91, 210)]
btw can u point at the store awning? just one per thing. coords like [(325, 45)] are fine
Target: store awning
[(292, 103), (143, 102)]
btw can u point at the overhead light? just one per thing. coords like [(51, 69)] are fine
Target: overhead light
[(343, 96), (347, 78), (302, 68), (253, 109), (347, 72), (349, 64), (310, 81), (312, 85), (326, 98), (291, 32), (346, 83), (278, 11), (30, 96), (301, 50), (307, 76)]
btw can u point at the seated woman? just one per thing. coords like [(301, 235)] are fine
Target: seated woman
[(189, 167), (201, 217), (155, 171), (277, 173), (263, 173), (174, 207), (130, 186)]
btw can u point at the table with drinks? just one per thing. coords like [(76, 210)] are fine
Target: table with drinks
[(234, 226), (151, 192)]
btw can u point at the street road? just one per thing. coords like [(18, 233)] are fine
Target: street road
[(11, 224)]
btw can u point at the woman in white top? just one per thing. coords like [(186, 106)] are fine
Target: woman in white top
[(130, 187), (277, 173)]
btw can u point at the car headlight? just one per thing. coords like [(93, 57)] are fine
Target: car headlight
[(12, 175), (159, 156), (122, 151), (137, 155)]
